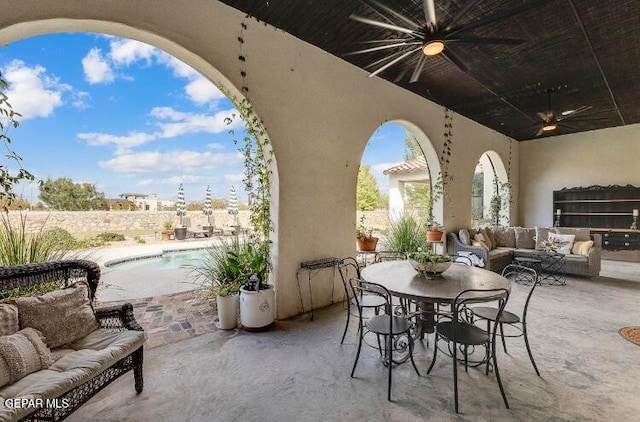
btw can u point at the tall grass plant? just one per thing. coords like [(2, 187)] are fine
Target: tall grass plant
[(406, 233), (20, 246)]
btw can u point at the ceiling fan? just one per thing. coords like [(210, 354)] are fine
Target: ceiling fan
[(550, 121), (434, 36)]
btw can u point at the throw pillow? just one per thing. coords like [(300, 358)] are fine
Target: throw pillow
[(582, 247), (492, 237), (8, 319), (505, 237), (524, 238), (62, 316), (487, 239), (464, 236), (567, 239), (581, 234), (481, 243), (542, 233), (23, 353)]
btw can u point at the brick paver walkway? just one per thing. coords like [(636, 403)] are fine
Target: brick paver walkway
[(171, 318)]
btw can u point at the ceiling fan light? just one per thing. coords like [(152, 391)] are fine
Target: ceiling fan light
[(432, 48), (549, 127)]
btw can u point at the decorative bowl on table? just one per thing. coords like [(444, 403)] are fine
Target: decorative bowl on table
[(430, 265)]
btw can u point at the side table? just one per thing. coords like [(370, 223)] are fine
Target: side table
[(523, 277), (553, 268)]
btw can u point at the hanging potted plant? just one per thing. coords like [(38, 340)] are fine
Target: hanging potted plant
[(365, 239), (221, 274)]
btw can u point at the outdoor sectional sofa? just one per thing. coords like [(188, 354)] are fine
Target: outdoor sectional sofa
[(509, 242), (56, 351)]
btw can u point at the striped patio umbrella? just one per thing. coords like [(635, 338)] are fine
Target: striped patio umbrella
[(233, 204), (207, 205), (181, 209)]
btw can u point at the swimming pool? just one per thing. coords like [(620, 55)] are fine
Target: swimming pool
[(167, 260)]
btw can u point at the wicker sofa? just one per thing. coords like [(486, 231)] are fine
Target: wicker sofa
[(81, 368), (496, 258)]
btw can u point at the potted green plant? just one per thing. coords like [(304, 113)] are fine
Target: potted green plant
[(430, 264), (434, 229), (221, 274), (257, 297), (167, 230), (365, 239)]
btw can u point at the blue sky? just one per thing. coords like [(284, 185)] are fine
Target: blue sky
[(128, 117)]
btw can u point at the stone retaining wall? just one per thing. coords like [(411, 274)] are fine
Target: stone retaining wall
[(149, 222), (91, 222)]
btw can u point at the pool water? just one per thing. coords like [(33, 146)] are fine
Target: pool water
[(166, 261)]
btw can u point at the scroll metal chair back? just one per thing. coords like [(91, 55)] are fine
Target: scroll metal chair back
[(459, 331), (383, 256), (391, 327), (527, 276), (348, 267)]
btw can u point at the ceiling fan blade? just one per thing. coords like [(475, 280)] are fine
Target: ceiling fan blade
[(430, 12), (382, 47), (382, 24), (540, 132), (485, 40), (574, 112), (543, 116), (384, 59), (499, 16), (394, 61), (392, 12), (387, 40), (459, 14), (453, 58), (418, 70)]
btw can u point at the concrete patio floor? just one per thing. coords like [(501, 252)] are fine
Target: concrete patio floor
[(299, 371)]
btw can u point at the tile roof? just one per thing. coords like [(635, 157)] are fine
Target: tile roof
[(415, 165)]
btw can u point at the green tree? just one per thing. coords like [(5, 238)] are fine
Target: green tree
[(368, 194), (418, 194), (195, 206), (66, 195), (219, 203), (8, 120)]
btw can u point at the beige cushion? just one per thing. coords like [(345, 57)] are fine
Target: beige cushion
[(492, 237), (499, 253), (8, 319), (581, 247), (481, 243), (464, 236), (23, 353), (524, 238), (62, 316), (505, 237), (485, 237), (542, 234), (567, 240)]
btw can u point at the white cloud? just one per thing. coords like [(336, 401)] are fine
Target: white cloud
[(382, 179), (96, 68), (133, 139), (202, 91), (81, 99), (124, 52), (32, 93), (179, 68), (182, 123), (215, 146), (155, 161), (233, 178)]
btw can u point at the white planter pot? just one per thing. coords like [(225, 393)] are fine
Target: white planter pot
[(227, 311), (257, 308)]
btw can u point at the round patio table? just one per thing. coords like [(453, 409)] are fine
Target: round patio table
[(403, 281)]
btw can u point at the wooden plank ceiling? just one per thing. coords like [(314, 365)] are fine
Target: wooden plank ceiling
[(586, 52)]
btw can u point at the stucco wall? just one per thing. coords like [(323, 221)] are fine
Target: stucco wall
[(600, 157), (318, 110), (143, 222)]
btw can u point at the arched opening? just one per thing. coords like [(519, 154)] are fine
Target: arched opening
[(490, 192), (405, 166), (206, 72)]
